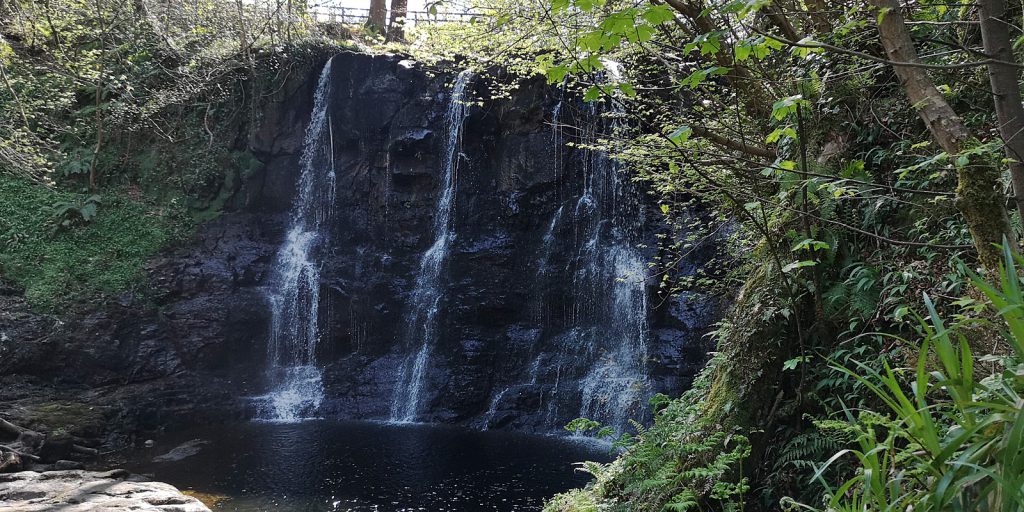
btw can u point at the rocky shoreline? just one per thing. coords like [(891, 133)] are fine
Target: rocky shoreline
[(88, 491)]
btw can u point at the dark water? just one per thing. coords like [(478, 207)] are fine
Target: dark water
[(360, 466)]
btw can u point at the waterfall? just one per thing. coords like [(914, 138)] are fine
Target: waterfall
[(548, 242), (293, 290), (595, 362), (616, 386), (425, 303)]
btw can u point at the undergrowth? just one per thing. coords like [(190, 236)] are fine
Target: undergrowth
[(60, 266)]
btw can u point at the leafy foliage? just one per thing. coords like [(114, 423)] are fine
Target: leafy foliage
[(102, 255), (141, 104), (948, 439)]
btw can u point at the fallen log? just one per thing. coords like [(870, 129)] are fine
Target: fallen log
[(84, 450), (10, 428), (26, 446), (8, 449)]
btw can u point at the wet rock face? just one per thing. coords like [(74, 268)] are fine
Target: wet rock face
[(502, 316), (198, 344)]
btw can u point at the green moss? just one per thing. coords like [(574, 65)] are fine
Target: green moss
[(751, 348), (155, 188), (72, 417), (983, 204), (57, 268)]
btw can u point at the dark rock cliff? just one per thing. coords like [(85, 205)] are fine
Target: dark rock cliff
[(196, 346)]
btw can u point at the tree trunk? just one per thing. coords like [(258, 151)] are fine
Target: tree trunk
[(396, 26), (979, 194), (995, 35), (779, 19), (378, 14), (98, 116), (819, 15), (245, 45)]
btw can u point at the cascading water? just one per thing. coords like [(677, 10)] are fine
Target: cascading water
[(596, 366), (614, 389), (421, 321), (293, 291)]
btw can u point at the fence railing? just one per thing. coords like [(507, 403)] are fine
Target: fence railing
[(359, 16)]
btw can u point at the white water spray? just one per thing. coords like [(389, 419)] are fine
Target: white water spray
[(421, 322), (293, 291)]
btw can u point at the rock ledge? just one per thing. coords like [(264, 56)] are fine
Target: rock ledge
[(88, 491)]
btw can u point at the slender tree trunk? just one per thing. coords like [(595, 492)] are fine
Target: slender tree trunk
[(781, 21), (995, 35), (396, 26), (289, 22), (243, 43), (979, 194), (245, 47), (94, 162), (14, 96), (378, 16)]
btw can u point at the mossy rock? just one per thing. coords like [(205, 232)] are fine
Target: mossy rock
[(209, 499), (75, 418), (744, 385)]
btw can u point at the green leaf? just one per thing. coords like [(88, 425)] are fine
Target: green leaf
[(681, 135), (786, 106), (798, 265), (699, 76), (743, 52), (810, 244), (777, 134), (556, 74), (658, 14), (791, 364), (641, 34), (593, 40), (804, 51), (710, 46), (88, 211), (618, 23)]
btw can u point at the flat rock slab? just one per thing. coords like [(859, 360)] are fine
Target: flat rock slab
[(89, 491)]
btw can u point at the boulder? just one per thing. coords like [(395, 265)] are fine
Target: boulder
[(86, 491)]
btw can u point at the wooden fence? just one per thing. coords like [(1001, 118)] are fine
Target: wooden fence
[(357, 16)]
